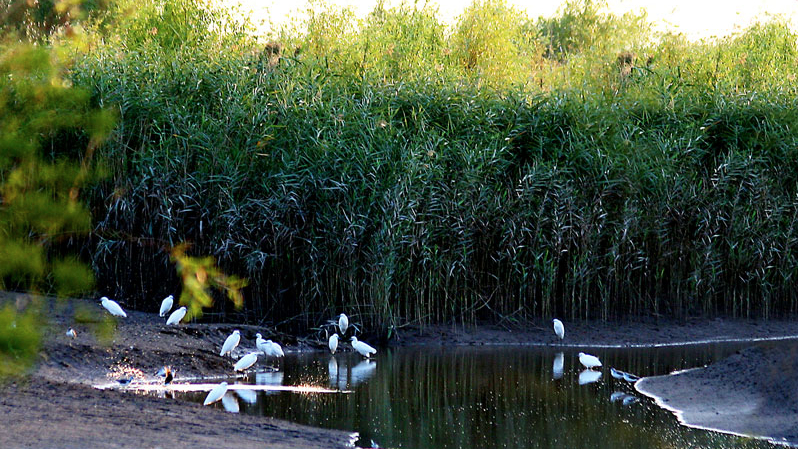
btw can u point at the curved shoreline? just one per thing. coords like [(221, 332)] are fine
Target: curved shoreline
[(751, 393)]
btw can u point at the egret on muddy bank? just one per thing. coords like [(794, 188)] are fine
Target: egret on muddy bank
[(246, 361), (589, 361), (231, 343), (166, 305), (176, 316), (362, 348), (112, 307), (216, 394), (559, 329)]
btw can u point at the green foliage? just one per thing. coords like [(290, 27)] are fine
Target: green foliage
[(198, 274), (502, 169), (102, 325), (40, 193), (20, 335), (171, 25), (495, 41)]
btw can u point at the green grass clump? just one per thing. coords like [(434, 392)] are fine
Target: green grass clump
[(503, 168)]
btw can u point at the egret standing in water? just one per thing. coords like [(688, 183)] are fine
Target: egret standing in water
[(112, 307), (176, 316), (589, 361), (333, 343), (260, 343), (362, 348), (216, 394), (273, 349), (166, 305), (343, 323), (231, 343), (246, 361), (559, 329)]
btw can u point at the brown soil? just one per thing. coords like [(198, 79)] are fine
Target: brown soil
[(662, 332), (57, 407), (753, 392)]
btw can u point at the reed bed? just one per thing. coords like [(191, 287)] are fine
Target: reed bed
[(406, 171)]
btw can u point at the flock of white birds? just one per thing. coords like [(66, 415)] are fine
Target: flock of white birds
[(589, 361), (267, 348), (270, 349)]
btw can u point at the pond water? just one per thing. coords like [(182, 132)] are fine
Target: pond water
[(483, 397)]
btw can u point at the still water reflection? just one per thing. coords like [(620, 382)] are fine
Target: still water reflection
[(485, 397)]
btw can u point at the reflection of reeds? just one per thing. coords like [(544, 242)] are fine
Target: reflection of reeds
[(496, 397), (339, 180)]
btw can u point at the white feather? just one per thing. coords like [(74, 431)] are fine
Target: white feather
[(176, 316), (589, 361), (246, 361), (362, 348), (112, 307), (559, 329), (216, 394), (166, 305), (333, 343), (231, 343)]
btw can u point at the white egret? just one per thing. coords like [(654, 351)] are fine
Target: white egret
[(589, 361), (112, 307), (343, 323), (557, 368), (617, 374), (260, 343), (231, 343), (333, 343), (559, 329), (230, 403), (166, 305), (246, 361), (362, 348), (216, 394), (589, 376), (71, 333), (273, 349), (176, 316)]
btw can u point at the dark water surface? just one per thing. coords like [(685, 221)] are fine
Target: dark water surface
[(485, 397)]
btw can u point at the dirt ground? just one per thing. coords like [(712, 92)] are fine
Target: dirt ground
[(753, 392), (56, 406)]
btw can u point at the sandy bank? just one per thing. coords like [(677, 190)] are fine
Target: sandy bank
[(753, 392)]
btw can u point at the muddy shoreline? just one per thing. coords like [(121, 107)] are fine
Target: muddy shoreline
[(751, 393), (57, 407)]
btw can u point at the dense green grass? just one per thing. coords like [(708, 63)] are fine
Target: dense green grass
[(402, 170)]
